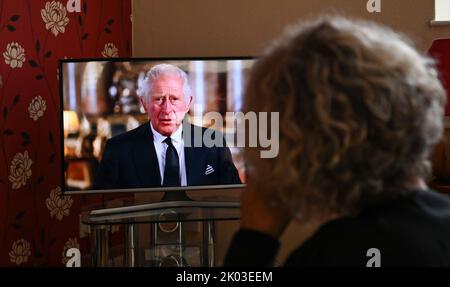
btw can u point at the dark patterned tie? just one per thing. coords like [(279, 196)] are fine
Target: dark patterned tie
[(172, 167)]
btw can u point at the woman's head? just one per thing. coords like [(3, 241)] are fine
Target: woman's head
[(359, 109)]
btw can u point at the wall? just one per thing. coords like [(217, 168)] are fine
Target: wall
[(244, 27), (171, 28), (36, 225)]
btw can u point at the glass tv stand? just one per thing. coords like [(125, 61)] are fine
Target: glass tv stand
[(161, 227)]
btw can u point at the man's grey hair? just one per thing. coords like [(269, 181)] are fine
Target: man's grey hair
[(145, 86)]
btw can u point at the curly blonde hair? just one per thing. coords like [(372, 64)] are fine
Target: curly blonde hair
[(359, 108)]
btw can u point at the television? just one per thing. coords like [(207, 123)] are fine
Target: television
[(100, 101)]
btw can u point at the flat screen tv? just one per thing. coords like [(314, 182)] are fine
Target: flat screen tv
[(107, 138)]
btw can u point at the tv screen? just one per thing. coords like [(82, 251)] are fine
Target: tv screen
[(118, 113)]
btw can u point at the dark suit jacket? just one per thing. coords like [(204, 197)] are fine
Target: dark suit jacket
[(130, 161)]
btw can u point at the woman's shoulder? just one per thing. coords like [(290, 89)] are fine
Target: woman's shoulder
[(414, 230), (433, 203)]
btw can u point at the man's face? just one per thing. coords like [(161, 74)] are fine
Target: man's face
[(167, 104)]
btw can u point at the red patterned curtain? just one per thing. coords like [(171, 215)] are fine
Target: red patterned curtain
[(36, 224)]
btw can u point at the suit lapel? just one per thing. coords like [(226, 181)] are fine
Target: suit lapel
[(145, 159), (188, 151), (193, 160)]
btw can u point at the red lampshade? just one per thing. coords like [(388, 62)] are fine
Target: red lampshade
[(440, 50)]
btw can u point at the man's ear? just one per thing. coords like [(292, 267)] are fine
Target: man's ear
[(188, 105), (142, 100)]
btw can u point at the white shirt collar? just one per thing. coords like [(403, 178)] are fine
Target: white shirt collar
[(177, 136)]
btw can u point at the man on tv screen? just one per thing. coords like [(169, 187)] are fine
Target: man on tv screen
[(163, 151)]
